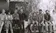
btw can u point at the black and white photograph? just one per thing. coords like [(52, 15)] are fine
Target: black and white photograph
[(27, 16)]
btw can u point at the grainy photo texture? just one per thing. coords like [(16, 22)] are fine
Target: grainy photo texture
[(27, 16)]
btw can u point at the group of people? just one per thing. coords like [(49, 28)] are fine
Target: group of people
[(37, 21), (40, 22), (12, 20)]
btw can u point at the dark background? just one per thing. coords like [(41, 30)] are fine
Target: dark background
[(3, 0)]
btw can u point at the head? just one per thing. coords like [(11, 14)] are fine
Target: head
[(8, 12), (54, 11), (47, 11), (3, 10), (40, 11), (21, 10), (34, 14), (15, 11)]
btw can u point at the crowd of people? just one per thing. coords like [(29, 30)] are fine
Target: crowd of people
[(12, 21), (39, 22), (36, 21)]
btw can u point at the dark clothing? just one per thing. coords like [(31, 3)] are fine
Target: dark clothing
[(16, 22), (22, 16), (47, 17), (34, 27)]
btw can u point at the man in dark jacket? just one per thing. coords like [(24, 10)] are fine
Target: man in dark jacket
[(47, 19), (22, 17)]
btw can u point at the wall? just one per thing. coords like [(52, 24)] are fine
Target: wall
[(4, 5)]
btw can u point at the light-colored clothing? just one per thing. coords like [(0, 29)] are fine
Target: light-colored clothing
[(2, 20), (9, 21), (54, 22), (54, 19)]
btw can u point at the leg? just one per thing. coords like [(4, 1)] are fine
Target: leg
[(6, 30), (11, 28), (1, 26), (54, 27), (39, 28), (46, 27), (7, 27), (50, 27), (23, 27), (43, 30), (0, 29)]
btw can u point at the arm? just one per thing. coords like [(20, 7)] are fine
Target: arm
[(18, 16), (11, 17), (43, 20), (51, 19)]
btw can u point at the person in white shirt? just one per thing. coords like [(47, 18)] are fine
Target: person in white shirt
[(2, 19), (54, 21), (9, 22)]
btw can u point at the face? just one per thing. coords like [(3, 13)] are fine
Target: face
[(8, 12), (54, 12), (21, 10), (15, 11), (34, 14), (47, 11), (3, 11)]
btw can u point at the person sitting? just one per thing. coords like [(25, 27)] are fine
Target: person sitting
[(8, 22), (48, 23)]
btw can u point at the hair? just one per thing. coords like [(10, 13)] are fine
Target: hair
[(46, 10), (40, 9)]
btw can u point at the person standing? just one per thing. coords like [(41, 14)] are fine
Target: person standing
[(8, 22), (22, 17), (2, 19)]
